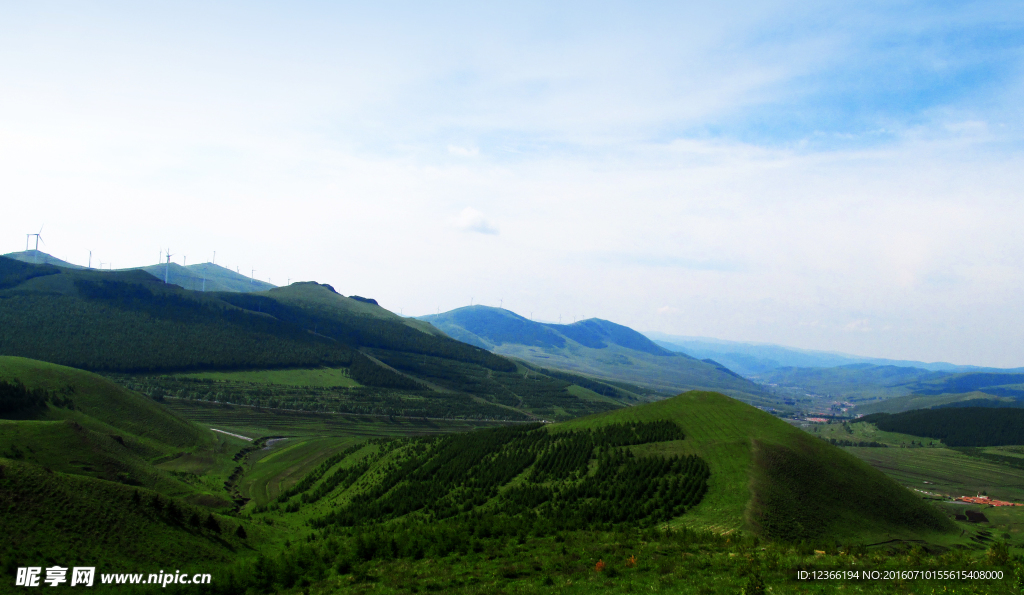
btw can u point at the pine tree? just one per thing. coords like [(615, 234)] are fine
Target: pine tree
[(212, 524)]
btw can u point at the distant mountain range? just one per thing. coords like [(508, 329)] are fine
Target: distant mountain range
[(204, 276), (754, 359), (595, 347)]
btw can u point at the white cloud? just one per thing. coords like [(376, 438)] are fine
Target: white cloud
[(635, 154), (473, 220), (463, 151)]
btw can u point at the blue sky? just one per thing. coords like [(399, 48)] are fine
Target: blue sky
[(843, 177)]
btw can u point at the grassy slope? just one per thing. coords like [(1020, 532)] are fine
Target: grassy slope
[(316, 298), (910, 402), (277, 469), (54, 518), (949, 472), (111, 434), (767, 475), (613, 362), (67, 478), (105, 402), (40, 257), (604, 350), (218, 278)]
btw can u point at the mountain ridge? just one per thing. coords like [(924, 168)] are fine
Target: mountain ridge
[(594, 347)]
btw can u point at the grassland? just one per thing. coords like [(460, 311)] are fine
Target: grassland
[(323, 377), (866, 432), (945, 471), (911, 402)]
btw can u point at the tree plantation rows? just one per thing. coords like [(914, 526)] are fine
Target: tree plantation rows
[(360, 400), (504, 479)]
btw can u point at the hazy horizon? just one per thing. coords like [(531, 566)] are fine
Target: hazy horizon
[(842, 178)]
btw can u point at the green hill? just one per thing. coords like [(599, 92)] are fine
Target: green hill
[(772, 478), (206, 276), (198, 277), (594, 347), (914, 401), (40, 257), (700, 460), (128, 322), (84, 424), (79, 474), (53, 518)]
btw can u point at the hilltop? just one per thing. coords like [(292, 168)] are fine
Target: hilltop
[(199, 277), (595, 347), (40, 257), (206, 276), (774, 479)]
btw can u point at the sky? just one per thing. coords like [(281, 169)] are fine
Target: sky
[(847, 177)]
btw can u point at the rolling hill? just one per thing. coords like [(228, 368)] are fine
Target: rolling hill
[(40, 257), (699, 460), (773, 479), (206, 276), (128, 322), (88, 425), (198, 277), (594, 347), (79, 479)]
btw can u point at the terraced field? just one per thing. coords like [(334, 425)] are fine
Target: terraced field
[(254, 423), (325, 377), (949, 471), (277, 467)]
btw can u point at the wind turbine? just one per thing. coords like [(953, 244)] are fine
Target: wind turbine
[(90, 259), (167, 268), (38, 237)]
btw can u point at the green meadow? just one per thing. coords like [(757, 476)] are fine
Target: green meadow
[(324, 377)]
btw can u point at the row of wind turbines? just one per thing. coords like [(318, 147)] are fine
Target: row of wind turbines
[(163, 255)]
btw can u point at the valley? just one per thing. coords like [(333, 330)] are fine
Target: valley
[(299, 441)]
